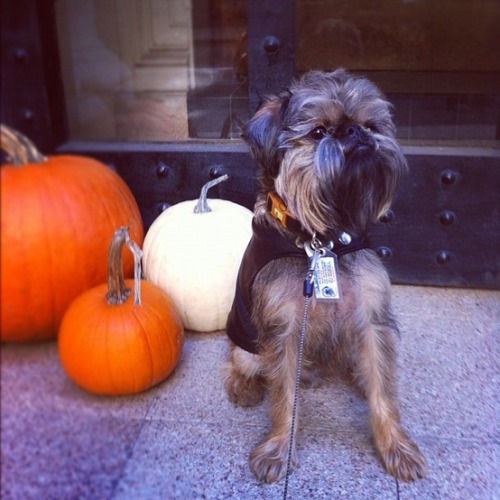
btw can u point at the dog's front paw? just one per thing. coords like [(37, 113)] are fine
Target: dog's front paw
[(404, 460), (268, 460)]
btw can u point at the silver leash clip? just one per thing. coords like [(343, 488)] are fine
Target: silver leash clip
[(322, 275), (313, 254)]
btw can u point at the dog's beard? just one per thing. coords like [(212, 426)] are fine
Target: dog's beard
[(301, 189), (336, 185)]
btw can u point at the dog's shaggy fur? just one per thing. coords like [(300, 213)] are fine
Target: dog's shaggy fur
[(327, 148)]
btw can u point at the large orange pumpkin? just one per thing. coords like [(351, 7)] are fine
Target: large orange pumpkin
[(111, 344), (58, 215)]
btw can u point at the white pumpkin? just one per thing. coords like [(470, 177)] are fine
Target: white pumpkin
[(193, 251)]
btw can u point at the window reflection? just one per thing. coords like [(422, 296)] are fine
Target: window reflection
[(399, 35), (126, 67), (435, 60), (160, 70)]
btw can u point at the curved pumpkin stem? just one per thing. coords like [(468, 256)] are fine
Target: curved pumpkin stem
[(118, 292), (202, 205), (134, 248), (20, 149)]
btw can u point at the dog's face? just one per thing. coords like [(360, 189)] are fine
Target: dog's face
[(327, 148)]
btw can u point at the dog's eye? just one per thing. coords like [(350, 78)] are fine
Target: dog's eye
[(371, 127), (318, 133)]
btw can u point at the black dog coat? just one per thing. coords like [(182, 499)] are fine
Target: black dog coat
[(267, 244)]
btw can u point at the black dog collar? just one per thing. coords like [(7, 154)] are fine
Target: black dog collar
[(339, 244)]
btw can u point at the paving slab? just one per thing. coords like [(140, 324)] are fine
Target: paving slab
[(184, 439)]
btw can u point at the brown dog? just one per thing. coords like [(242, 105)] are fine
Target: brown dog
[(329, 166)]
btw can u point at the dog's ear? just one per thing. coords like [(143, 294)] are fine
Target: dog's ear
[(263, 130)]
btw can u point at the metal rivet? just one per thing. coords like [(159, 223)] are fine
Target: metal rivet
[(384, 253), (345, 238), (20, 55), (447, 217), (443, 257), (162, 207), (162, 170), (271, 44), (448, 177), (28, 115), (387, 217)]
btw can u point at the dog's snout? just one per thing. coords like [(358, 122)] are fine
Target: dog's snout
[(353, 132), (354, 138)]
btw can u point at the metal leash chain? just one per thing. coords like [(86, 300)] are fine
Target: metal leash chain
[(308, 289), (296, 396)]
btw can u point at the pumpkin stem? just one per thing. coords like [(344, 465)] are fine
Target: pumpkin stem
[(202, 205), (135, 249), (118, 292), (19, 148)]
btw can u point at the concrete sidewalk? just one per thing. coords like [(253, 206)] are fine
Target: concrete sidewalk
[(185, 440)]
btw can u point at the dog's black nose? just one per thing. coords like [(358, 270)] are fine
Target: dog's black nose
[(351, 131), (353, 137)]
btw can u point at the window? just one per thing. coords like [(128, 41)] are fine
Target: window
[(160, 70)]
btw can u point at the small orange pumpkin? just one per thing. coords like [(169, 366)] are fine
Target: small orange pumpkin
[(58, 215), (111, 344)]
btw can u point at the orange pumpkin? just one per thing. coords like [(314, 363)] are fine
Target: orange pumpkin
[(111, 344), (58, 215)]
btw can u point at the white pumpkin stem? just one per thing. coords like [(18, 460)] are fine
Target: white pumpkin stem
[(202, 206), (19, 148), (118, 292)]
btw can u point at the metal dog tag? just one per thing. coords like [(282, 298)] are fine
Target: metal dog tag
[(326, 284)]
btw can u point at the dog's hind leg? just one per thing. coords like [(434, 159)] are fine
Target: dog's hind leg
[(244, 383)]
